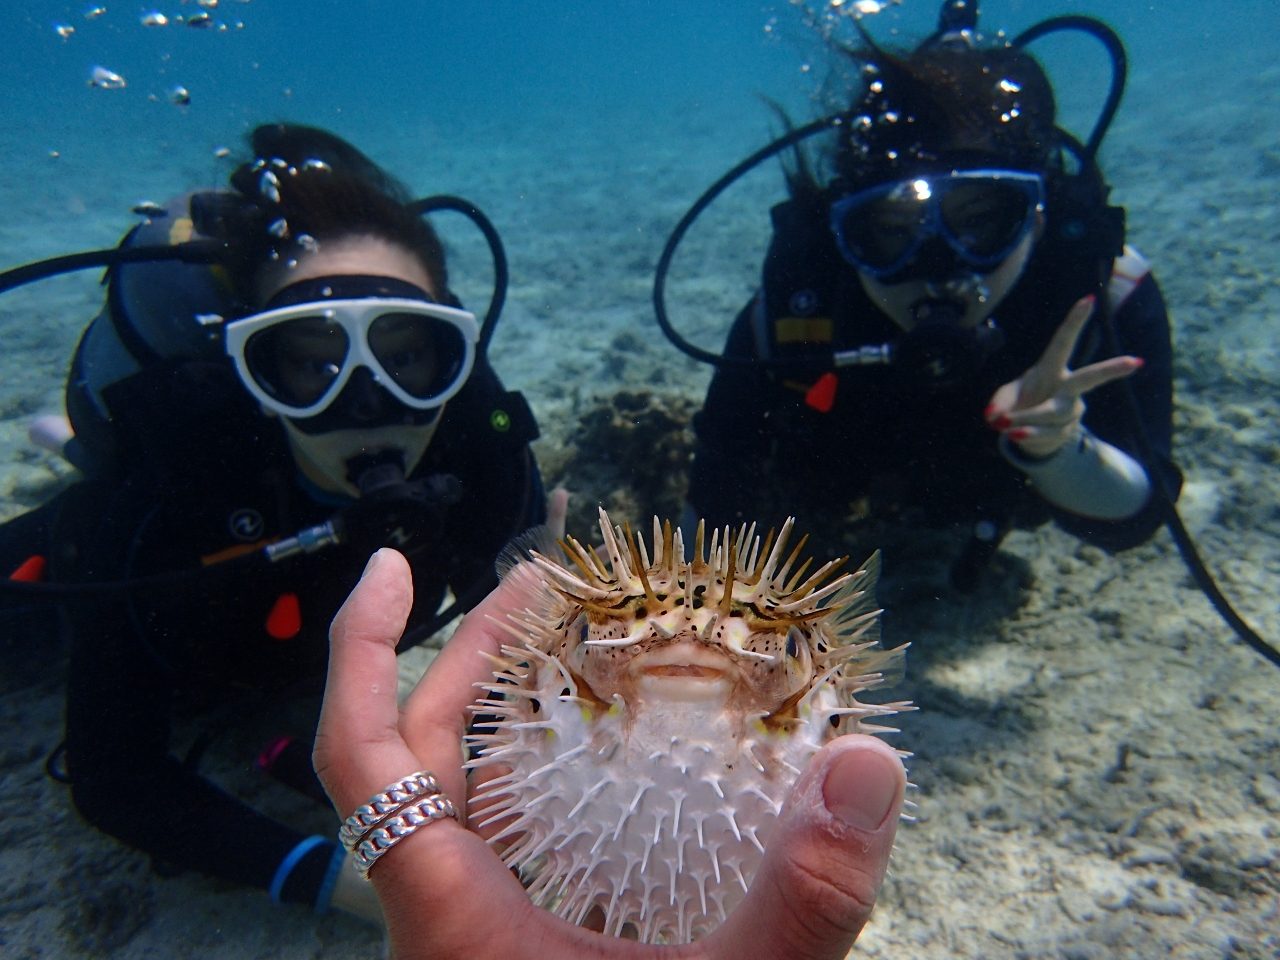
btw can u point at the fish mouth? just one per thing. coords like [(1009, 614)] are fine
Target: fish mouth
[(684, 671), (691, 670)]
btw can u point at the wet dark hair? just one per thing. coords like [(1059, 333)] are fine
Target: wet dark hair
[(305, 182), (941, 106)]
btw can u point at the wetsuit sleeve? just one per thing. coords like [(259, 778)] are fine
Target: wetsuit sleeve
[(1142, 328), (730, 433)]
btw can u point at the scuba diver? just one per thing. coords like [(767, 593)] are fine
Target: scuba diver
[(256, 413), (946, 317)]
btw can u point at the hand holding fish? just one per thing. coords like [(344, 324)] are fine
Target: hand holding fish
[(447, 894), (1041, 411)]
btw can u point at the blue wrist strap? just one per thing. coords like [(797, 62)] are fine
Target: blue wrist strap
[(289, 862), (325, 895)]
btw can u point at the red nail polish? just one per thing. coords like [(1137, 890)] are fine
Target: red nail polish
[(1002, 423), (986, 414), (1017, 436), (1138, 363)]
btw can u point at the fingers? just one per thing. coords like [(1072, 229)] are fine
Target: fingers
[(1044, 378), (445, 894), (1057, 355), (358, 746), (1060, 410), (1044, 427), (1080, 382), (557, 511), (436, 712), (1045, 401), (359, 751), (826, 859)]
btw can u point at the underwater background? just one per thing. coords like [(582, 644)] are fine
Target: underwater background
[(1098, 757)]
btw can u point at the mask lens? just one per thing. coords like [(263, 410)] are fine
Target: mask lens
[(422, 355), (297, 361), (880, 231), (986, 218)]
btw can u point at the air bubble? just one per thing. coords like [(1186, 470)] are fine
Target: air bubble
[(269, 186), (106, 79)]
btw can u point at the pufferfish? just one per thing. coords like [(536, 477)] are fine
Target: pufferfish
[(650, 716)]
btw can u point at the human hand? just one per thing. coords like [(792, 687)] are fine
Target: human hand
[(557, 511), (446, 894), (1041, 411)]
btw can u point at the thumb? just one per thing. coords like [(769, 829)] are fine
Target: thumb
[(826, 858)]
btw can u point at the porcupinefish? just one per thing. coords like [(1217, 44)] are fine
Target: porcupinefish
[(649, 717)]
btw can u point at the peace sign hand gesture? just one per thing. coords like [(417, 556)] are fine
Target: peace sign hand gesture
[(1041, 411)]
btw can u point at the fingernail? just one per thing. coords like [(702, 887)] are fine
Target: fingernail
[(1017, 436), (1002, 423), (986, 414), (1091, 299), (861, 788), (373, 562), (1138, 363)]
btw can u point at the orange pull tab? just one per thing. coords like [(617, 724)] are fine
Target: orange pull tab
[(284, 622), (31, 570), (822, 395)]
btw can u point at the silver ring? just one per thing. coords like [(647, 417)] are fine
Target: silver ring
[(390, 816), (396, 828)]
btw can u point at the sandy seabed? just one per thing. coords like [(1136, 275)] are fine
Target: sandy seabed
[(1097, 757)]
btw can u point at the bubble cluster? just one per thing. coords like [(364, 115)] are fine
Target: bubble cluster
[(151, 19)]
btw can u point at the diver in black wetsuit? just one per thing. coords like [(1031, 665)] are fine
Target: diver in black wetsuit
[(937, 264), (318, 395)]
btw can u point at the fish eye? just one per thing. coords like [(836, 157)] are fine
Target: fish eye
[(793, 646), (583, 631)]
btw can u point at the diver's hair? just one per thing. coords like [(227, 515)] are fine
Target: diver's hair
[(308, 182), (938, 104)]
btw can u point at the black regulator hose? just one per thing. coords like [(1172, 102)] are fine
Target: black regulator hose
[(1173, 521), (194, 251), (429, 205), (1119, 67), (677, 234)]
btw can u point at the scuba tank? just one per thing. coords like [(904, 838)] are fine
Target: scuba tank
[(153, 356)]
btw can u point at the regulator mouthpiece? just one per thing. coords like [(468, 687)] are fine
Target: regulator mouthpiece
[(377, 473)]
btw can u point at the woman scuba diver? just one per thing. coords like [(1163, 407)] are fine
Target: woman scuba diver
[(927, 334), (281, 382)]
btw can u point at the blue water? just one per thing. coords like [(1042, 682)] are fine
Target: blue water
[(585, 129), (494, 100)]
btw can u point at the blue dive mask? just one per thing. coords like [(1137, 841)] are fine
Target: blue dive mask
[(981, 215)]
